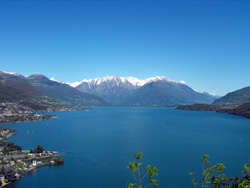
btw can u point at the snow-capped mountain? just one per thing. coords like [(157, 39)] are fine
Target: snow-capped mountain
[(133, 91), (155, 91), (204, 92), (55, 80), (113, 88), (120, 80), (12, 73), (38, 86)]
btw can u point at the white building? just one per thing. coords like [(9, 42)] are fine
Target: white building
[(34, 162)]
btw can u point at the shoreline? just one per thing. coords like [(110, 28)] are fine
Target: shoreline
[(20, 118), (1, 139), (30, 170), (28, 159), (39, 160), (27, 120), (242, 110), (36, 116)]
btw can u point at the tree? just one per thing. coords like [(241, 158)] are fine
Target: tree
[(245, 181), (212, 176), (10, 175), (2, 170), (40, 149), (58, 160), (135, 169)]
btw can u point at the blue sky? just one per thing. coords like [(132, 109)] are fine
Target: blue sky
[(205, 43)]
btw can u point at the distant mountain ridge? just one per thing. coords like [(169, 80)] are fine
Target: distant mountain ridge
[(18, 81), (17, 100), (127, 91), (166, 93), (132, 80), (155, 91), (38, 85), (112, 89), (64, 92), (236, 102), (237, 97)]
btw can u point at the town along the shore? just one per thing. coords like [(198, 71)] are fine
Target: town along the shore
[(15, 162)]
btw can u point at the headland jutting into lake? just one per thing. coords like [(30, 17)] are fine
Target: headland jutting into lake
[(14, 113), (15, 162)]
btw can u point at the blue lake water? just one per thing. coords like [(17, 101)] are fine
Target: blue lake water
[(97, 145)]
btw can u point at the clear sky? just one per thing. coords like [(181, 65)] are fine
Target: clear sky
[(203, 42)]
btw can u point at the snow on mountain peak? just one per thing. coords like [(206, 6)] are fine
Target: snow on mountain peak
[(183, 82), (204, 92), (132, 80), (157, 78), (75, 84), (198, 91), (55, 80), (13, 73), (213, 94), (137, 82)]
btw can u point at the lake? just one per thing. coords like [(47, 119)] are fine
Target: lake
[(98, 144)]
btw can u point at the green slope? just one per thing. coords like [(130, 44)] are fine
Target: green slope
[(38, 85), (236, 97), (64, 92), (18, 99)]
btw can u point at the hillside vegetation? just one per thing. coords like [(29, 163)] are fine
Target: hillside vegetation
[(37, 92)]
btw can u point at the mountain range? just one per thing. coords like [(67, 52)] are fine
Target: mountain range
[(131, 91), (236, 97), (236, 102), (37, 92)]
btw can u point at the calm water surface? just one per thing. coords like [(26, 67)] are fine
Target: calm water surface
[(97, 145)]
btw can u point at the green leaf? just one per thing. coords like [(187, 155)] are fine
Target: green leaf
[(139, 164), (131, 185), (138, 155)]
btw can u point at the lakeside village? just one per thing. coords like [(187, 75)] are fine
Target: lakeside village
[(14, 113), (6, 133), (15, 162)]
